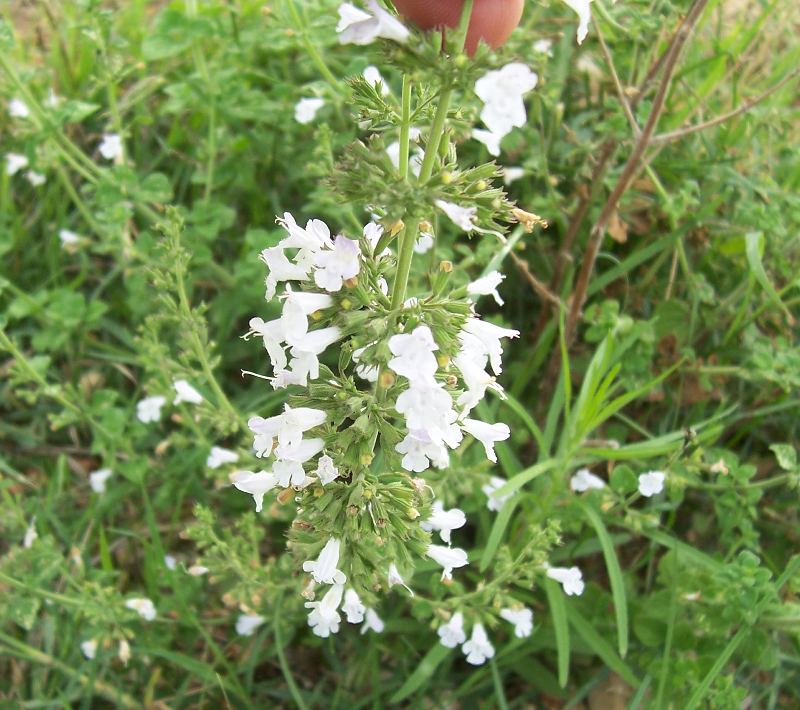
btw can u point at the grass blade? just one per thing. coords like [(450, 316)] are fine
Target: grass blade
[(601, 647), (558, 610), (496, 534), (614, 577), (498, 686), (422, 672)]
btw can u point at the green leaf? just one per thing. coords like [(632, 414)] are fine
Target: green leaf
[(421, 673), (786, 456), (754, 250), (600, 646), (519, 409), (558, 611), (496, 534), (614, 577), (174, 33)]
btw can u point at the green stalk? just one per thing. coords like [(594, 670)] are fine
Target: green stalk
[(435, 138), (313, 53), (405, 126), (407, 239)]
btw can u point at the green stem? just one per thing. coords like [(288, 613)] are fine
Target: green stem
[(313, 53), (407, 239), (435, 137), (405, 127), (200, 353)]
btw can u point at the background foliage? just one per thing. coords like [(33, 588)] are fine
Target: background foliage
[(686, 360)]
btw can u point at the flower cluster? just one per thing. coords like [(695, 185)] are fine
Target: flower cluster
[(360, 430)]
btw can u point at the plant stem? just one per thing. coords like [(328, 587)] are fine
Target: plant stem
[(405, 126), (407, 239), (435, 137), (313, 53)]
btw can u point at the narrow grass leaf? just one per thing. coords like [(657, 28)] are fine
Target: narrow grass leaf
[(601, 648), (421, 673), (614, 578), (558, 612)]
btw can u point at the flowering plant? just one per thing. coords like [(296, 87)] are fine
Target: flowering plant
[(357, 445)]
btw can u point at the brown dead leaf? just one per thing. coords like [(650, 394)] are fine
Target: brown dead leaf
[(617, 229)]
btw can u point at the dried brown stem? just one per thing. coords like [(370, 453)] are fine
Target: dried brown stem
[(630, 168), (539, 287), (744, 108), (623, 98)]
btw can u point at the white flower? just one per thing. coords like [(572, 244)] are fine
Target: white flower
[(170, 562), (489, 139), (305, 110), (512, 173), (372, 621), (15, 162), (35, 179), (52, 99), (246, 624), (543, 46), (485, 341), (256, 484), (111, 146), (326, 471), (495, 502), (651, 483), (124, 652), (323, 569), (68, 238), (89, 648), (290, 459), (585, 480), (184, 392), (464, 217), (393, 577), (280, 269), (197, 570), (478, 649), (424, 243), (413, 355), (373, 76), (219, 457), (487, 434), (273, 337), (419, 451), (297, 306), (359, 27), (338, 264), (353, 607), (324, 619), (143, 607), (448, 557), (522, 620), (445, 521), (570, 578), (501, 91), (97, 479), (581, 7), (288, 427), (471, 362), (487, 286), (149, 409), (305, 363), (452, 633), (30, 534), (17, 108)]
